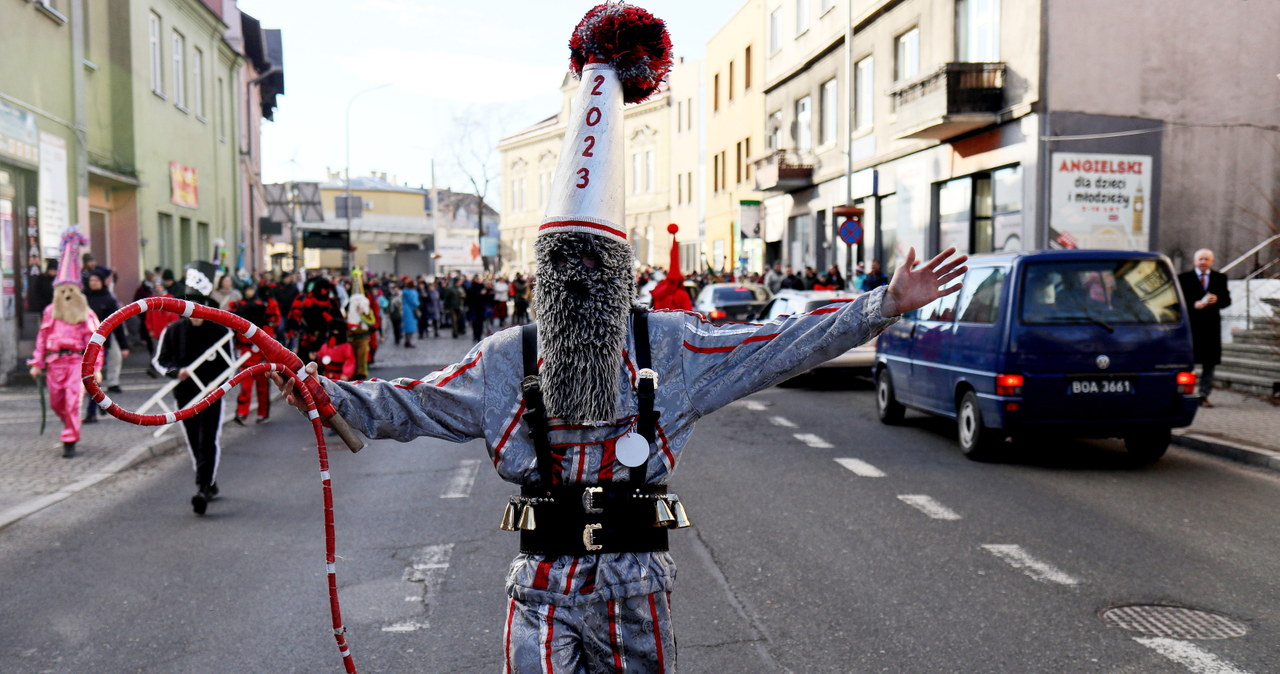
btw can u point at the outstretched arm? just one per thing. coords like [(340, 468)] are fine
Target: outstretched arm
[(912, 288)]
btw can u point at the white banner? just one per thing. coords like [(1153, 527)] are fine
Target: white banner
[(52, 192), (1100, 201)]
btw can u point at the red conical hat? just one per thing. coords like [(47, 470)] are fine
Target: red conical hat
[(673, 271)]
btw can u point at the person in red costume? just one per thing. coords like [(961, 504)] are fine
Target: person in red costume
[(337, 358), (669, 293)]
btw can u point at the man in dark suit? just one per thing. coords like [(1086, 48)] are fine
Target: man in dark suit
[(1207, 294)]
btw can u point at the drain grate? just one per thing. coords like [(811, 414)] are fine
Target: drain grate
[(1174, 622)]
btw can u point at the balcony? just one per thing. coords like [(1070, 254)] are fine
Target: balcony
[(957, 98), (777, 173)]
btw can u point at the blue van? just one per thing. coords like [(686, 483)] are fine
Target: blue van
[(1079, 343)]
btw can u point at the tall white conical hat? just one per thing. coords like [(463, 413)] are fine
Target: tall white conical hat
[(621, 53)]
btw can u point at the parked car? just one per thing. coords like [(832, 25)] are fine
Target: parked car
[(790, 302), (724, 302), (1063, 343)]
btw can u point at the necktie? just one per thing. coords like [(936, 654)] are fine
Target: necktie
[(1204, 280)]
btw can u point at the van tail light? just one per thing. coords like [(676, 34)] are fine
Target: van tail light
[(1187, 382), (716, 313), (1008, 384)]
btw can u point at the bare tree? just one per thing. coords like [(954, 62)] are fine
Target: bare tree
[(473, 144)]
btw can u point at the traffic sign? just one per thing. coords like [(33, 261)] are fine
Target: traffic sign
[(851, 232)]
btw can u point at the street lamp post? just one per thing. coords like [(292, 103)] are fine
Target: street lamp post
[(347, 256)]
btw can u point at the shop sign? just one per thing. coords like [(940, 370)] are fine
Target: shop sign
[(183, 186), (18, 136), (1100, 201)]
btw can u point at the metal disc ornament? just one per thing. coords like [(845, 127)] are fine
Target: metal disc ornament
[(632, 450)]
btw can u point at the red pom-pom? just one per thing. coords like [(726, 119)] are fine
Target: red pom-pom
[(673, 228), (628, 38)]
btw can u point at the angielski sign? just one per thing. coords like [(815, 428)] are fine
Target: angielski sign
[(1100, 201)]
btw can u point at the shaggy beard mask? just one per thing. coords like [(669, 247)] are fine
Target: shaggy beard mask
[(69, 304), (583, 296)]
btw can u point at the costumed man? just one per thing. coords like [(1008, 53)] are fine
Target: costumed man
[(180, 345), (589, 409), (669, 293), (337, 358), (256, 309), (361, 323), (66, 326), (314, 316), (1208, 294)]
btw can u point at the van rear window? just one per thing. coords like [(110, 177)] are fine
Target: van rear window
[(1107, 291)]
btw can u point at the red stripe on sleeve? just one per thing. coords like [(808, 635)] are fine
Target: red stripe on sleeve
[(460, 370), (709, 349), (506, 435)]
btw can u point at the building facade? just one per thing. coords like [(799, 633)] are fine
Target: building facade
[(687, 177)]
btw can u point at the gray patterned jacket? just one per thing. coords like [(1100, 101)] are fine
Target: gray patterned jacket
[(701, 367)]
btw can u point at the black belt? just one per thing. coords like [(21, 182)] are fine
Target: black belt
[(67, 352), (592, 519)]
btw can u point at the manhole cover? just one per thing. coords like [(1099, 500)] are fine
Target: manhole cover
[(1174, 622)]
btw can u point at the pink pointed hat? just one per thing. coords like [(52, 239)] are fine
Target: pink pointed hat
[(69, 261), (621, 53)]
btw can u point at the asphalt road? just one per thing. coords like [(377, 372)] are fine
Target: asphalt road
[(909, 558)]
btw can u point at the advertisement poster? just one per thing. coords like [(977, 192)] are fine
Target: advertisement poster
[(458, 249), (1100, 201), (52, 192), (183, 186), (18, 136)]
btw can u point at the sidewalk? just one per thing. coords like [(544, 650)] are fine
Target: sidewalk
[(33, 474), (1239, 427)]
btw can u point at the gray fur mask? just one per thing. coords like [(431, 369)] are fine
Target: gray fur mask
[(583, 296)]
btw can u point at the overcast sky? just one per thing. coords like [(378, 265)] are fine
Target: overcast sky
[(496, 59)]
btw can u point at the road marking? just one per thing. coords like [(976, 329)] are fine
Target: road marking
[(463, 477), (928, 506), (427, 567), (1019, 559), (860, 468), (1189, 655), (783, 422), (754, 405), (813, 441)]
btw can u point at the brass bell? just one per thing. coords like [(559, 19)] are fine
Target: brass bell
[(527, 521), (509, 517), (682, 518), (662, 513)]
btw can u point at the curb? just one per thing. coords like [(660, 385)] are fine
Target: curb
[(1253, 456)]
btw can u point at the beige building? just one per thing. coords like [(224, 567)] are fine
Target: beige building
[(734, 136), (687, 187), (529, 161)]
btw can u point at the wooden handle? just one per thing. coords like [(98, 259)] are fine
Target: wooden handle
[(344, 431)]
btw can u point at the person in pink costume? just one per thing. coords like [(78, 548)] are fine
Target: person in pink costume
[(65, 330)]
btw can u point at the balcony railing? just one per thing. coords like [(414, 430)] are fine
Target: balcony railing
[(778, 173), (956, 98)]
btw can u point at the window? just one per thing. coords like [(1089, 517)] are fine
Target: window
[(746, 151), (954, 212), (730, 90), (724, 170), (221, 112), (636, 172), (774, 141), (980, 297), (906, 64), (746, 68), (863, 103), (978, 30), (802, 16), (715, 92), (197, 81), (827, 4), (157, 64), (775, 30), (179, 70), (679, 190), (203, 242), (650, 171), (679, 115), (688, 114), (185, 251), (737, 167), (942, 309), (715, 173), (827, 125), (164, 223), (1111, 291), (804, 122)]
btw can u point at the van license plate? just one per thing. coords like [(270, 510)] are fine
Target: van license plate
[(1101, 386)]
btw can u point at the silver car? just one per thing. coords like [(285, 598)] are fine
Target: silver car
[(791, 302)]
